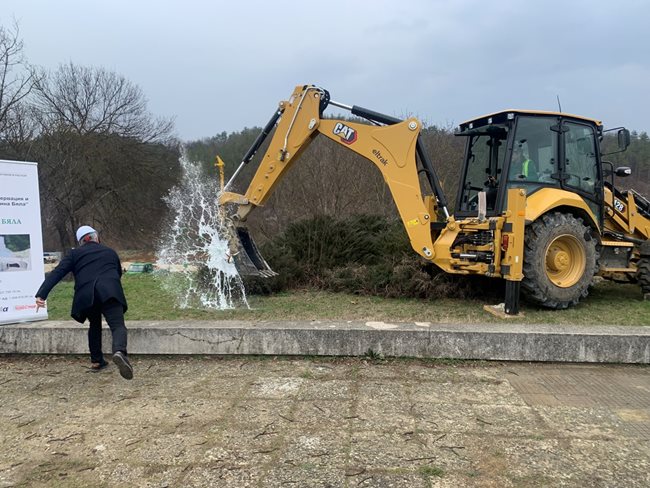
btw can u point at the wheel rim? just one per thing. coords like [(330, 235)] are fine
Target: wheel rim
[(566, 261)]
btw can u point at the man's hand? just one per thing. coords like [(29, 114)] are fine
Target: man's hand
[(491, 182), (40, 303)]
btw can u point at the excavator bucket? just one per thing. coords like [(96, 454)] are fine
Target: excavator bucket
[(247, 257)]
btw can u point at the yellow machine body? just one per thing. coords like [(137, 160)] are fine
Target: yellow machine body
[(491, 245)]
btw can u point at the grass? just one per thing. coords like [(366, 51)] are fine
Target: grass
[(607, 304), (431, 471)]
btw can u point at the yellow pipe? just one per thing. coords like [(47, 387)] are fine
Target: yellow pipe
[(220, 164)]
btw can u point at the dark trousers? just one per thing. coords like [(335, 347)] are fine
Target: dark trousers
[(113, 312)]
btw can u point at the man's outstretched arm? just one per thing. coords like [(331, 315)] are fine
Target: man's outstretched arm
[(56, 275)]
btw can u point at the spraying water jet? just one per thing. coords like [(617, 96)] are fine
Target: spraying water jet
[(194, 248)]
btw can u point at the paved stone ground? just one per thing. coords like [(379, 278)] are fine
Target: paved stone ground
[(264, 422)]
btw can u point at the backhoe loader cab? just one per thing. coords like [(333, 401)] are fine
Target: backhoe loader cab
[(536, 204), (531, 151)]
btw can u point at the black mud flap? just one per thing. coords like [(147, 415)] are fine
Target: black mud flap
[(248, 260)]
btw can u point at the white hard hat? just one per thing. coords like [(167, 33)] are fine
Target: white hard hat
[(83, 230)]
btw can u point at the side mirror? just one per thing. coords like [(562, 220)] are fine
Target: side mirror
[(623, 171), (623, 136)]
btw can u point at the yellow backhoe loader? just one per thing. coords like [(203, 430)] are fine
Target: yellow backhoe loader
[(536, 206)]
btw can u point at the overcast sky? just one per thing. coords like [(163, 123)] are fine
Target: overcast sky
[(224, 65)]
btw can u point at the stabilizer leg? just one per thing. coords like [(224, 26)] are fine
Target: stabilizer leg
[(512, 297)]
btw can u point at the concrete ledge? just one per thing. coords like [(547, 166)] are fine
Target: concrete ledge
[(510, 342)]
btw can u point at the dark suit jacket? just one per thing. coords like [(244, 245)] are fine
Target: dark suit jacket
[(97, 271)]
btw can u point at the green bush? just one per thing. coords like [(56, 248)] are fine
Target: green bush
[(365, 255), (325, 242)]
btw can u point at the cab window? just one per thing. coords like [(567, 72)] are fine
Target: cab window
[(486, 153), (580, 162), (534, 152)]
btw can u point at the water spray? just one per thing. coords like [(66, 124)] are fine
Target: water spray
[(195, 246)]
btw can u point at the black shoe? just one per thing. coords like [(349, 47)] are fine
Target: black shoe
[(123, 364), (96, 367)]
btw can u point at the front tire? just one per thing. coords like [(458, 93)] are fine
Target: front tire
[(559, 261)]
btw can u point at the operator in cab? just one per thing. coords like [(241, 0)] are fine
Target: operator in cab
[(522, 167)]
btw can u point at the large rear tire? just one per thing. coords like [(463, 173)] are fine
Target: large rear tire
[(559, 261)]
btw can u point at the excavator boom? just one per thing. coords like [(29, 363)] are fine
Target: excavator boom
[(393, 145)]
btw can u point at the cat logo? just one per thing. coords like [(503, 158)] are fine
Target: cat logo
[(347, 134)]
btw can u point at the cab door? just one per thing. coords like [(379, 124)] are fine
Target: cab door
[(533, 156), (580, 164)]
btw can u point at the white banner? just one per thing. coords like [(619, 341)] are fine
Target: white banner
[(21, 242)]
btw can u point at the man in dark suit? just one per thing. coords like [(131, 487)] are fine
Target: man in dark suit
[(97, 291)]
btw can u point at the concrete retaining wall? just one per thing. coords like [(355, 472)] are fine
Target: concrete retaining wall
[(424, 340)]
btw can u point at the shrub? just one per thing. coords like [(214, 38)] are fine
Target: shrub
[(365, 255)]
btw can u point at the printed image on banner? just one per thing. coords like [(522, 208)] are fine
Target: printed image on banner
[(21, 242), (15, 253)]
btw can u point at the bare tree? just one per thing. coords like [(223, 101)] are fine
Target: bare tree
[(90, 100), (105, 160), (446, 153), (327, 180), (16, 80)]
